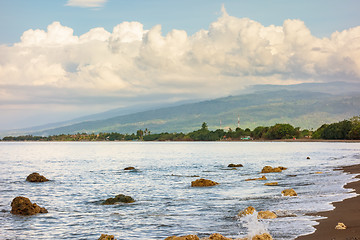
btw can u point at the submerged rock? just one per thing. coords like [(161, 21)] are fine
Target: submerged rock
[(118, 198), (23, 206), (255, 179), (266, 215), (289, 192), (271, 184), (129, 168), (187, 237), (203, 183), (285, 213), (36, 177), (106, 237), (269, 169), (232, 165)]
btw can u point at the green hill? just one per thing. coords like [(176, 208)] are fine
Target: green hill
[(304, 109)]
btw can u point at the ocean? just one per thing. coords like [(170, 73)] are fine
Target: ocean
[(84, 173)]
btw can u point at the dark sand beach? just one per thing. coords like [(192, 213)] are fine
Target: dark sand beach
[(347, 212)]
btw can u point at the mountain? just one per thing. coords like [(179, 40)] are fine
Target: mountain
[(300, 108), (303, 105)]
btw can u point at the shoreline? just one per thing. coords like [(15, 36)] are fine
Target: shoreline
[(257, 140), (346, 211)]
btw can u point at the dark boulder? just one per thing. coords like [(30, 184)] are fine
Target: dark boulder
[(129, 168), (36, 177), (117, 199), (23, 206), (235, 165)]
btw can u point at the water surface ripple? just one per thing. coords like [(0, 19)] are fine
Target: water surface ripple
[(83, 173)]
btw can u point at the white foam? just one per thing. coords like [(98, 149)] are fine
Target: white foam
[(254, 225)]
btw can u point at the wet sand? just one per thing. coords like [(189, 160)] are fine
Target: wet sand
[(347, 212)]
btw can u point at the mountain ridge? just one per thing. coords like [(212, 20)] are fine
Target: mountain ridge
[(255, 109), (301, 105)]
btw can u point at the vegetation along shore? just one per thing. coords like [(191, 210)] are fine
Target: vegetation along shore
[(343, 130)]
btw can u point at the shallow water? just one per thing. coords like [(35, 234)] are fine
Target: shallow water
[(83, 173)]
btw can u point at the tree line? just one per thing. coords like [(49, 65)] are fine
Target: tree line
[(343, 130)]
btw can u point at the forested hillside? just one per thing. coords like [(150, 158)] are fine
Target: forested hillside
[(305, 109)]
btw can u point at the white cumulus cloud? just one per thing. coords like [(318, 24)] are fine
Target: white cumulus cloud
[(131, 63), (86, 3)]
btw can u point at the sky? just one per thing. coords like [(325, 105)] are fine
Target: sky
[(67, 58)]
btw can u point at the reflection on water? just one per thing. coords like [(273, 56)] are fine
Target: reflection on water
[(82, 174)]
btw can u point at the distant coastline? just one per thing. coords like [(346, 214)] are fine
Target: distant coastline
[(343, 131)]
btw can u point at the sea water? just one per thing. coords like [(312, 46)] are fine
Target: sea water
[(84, 173)]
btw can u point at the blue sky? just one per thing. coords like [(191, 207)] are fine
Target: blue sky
[(321, 16), (61, 59)]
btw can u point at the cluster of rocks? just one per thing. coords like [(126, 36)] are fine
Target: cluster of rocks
[(217, 236), (23, 206), (260, 215)]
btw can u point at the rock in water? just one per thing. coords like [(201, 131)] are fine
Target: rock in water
[(203, 183), (340, 226), (289, 192), (187, 237), (235, 165), (218, 236), (106, 237), (36, 177), (23, 206), (266, 215), (264, 236), (269, 169), (271, 184), (247, 211), (254, 179), (129, 168), (118, 198)]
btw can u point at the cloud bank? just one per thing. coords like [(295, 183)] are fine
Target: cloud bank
[(135, 64), (86, 3)]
